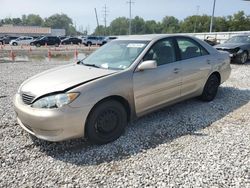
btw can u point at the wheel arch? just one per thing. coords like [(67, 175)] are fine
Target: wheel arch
[(216, 73), (117, 98)]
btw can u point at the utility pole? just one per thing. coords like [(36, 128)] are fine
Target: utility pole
[(130, 2), (105, 14), (197, 14), (97, 21), (212, 18)]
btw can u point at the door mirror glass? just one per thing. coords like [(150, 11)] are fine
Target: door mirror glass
[(147, 65)]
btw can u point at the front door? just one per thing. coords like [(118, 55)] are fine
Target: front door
[(155, 87)]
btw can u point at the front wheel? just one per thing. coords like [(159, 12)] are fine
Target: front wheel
[(106, 122), (243, 58), (210, 89)]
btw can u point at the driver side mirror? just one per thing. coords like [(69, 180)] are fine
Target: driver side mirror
[(147, 65)]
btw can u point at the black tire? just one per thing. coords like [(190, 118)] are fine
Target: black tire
[(56, 44), (89, 44), (14, 44), (106, 122), (242, 59), (210, 89), (38, 45)]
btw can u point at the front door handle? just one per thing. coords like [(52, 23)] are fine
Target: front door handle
[(176, 70)]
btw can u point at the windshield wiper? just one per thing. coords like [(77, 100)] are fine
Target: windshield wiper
[(89, 65)]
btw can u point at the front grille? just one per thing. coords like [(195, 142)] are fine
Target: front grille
[(27, 98)]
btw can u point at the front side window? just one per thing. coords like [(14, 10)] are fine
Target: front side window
[(163, 52), (190, 49), (117, 54)]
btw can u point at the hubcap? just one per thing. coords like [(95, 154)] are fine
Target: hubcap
[(107, 122)]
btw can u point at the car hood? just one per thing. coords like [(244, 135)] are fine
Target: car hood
[(62, 78), (229, 45)]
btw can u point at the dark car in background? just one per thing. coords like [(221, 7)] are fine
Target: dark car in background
[(46, 40), (7, 39), (238, 48), (62, 37), (71, 40)]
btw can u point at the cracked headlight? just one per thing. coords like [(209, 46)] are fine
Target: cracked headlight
[(55, 101)]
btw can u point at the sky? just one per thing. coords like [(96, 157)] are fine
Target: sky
[(83, 15)]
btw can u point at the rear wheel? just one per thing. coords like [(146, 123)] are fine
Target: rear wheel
[(211, 88), (38, 45), (14, 44), (106, 122), (89, 44)]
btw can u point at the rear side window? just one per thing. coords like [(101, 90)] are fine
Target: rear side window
[(190, 48)]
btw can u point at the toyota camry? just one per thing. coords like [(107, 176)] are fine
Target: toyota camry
[(121, 81)]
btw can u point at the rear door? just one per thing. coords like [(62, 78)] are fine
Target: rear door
[(155, 87), (196, 65)]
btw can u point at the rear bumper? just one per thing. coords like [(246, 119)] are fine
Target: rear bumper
[(51, 124)]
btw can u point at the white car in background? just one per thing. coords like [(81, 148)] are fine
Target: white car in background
[(108, 39), (93, 40), (21, 40)]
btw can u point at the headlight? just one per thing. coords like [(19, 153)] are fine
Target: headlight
[(236, 50), (55, 101), (239, 51)]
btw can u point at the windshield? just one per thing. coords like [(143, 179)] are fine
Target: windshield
[(239, 39), (116, 55)]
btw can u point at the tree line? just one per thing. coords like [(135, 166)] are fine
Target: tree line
[(119, 26), (170, 24), (56, 21)]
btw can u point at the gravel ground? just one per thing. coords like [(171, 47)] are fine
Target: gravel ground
[(190, 144)]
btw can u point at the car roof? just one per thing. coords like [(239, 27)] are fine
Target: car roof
[(149, 37)]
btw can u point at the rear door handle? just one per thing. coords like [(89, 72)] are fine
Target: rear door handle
[(208, 61)]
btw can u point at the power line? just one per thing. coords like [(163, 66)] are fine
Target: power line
[(97, 21), (105, 14), (212, 18), (130, 2), (196, 18)]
